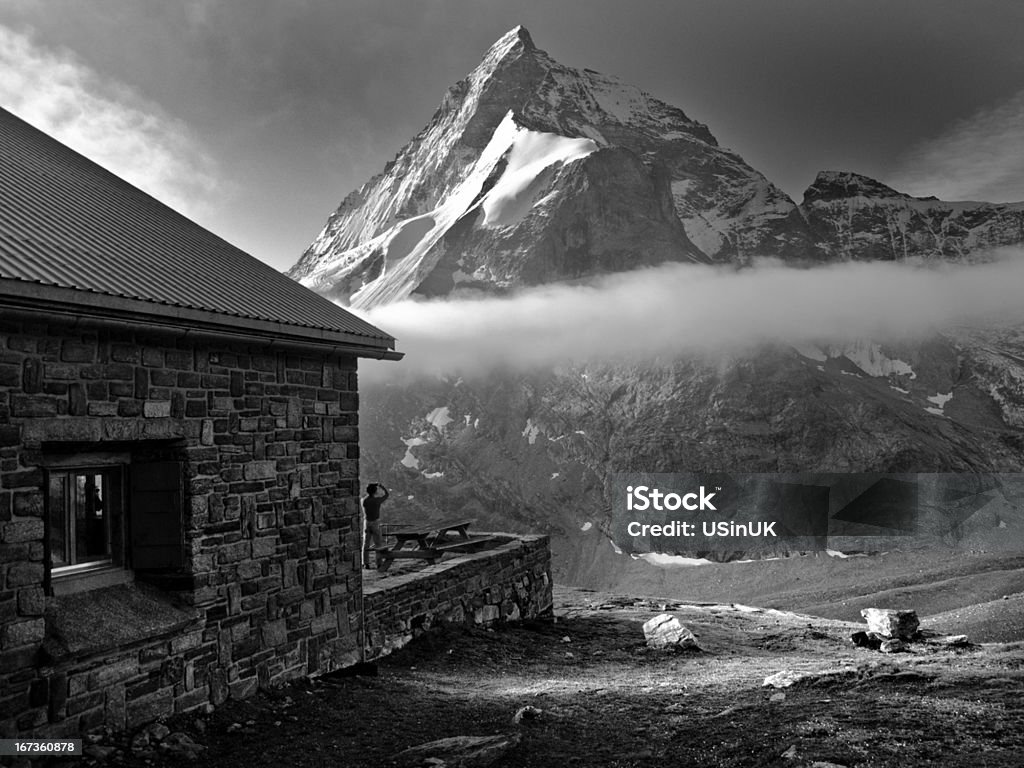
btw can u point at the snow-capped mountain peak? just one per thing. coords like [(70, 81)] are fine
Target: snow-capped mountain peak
[(531, 171)]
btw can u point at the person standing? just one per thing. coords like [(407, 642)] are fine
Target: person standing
[(376, 494)]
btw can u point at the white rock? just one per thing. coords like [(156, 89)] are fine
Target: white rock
[(890, 622), (665, 631)]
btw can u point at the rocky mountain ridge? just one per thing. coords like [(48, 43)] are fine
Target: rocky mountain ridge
[(858, 218), (532, 172)]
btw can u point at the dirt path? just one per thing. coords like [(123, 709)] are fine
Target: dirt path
[(607, 700)]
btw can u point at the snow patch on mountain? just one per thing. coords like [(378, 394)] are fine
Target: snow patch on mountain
[(811, 351), (406, 249), (439, 417), (869, 357), (669, 561), (617, 99), (940, 401), (530, 154), (409, 460)]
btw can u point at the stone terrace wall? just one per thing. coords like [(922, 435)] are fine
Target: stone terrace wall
[(271, 517), (507, 583)]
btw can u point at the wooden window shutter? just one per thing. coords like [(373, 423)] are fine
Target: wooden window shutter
[(157, 515)]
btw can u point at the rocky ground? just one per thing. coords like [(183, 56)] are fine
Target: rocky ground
[(600, 697)]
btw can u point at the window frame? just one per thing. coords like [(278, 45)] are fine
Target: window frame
[(115, 567)]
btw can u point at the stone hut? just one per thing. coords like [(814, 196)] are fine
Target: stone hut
[(179, 494)]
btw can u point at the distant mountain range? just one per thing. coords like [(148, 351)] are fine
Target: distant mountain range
[(531, 172)]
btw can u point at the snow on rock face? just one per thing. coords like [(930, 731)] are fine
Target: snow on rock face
[(518, 172), (940, 401), (439, 417), (668, 561), (391, 265), (866, 354), (409, 460), (531, 153), (811, 351), (869, 357), (858, 218)]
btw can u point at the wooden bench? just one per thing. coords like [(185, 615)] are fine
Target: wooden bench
[(429, 542)]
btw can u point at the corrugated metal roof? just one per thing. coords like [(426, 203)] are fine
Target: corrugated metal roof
[(67, 222)]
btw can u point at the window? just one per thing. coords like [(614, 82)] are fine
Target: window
[(86, 511), (112, 515)]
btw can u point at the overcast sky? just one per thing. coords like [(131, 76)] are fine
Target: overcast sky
[(256, 118)]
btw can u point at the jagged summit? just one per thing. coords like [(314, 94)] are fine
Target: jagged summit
[(531, 171), (517, 36), (509, 48)]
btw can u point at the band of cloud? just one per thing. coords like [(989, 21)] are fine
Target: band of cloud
[(687, 309)]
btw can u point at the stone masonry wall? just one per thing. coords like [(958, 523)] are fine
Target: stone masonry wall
[(507, 583), (272, 577)]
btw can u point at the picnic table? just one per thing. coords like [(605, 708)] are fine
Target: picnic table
[(428, 542)]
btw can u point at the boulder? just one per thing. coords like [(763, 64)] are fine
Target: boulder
[(783, 679), (140, 741), (526, 713), (181, 747), (866, 640), (893, 646), (99, 752), (891, 623), (665, 632), (158, 731)]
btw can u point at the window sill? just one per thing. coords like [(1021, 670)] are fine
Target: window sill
[(98, 621), (85, 581)]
